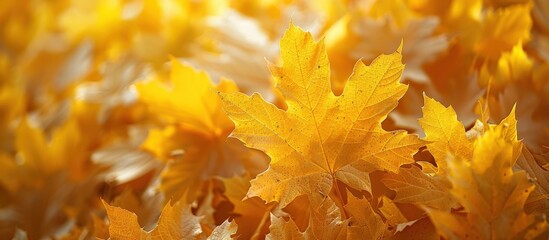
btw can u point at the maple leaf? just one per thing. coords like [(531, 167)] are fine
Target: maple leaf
[(429, 187), (322, 138), (492, 194), (281, 229), (537, 200), (176, 222), (325, 222), (194, 122), (414, 186), (364, 223), (445, 133)]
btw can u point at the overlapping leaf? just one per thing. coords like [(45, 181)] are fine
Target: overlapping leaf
[(491, 192), (176, 222), (194, 123), (321, 137)]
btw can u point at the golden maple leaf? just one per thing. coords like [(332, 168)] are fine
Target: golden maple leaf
[(176, 222), (322, 138), (365, 223), (445, 133), (537, 200), (281, 229), (491, 192), (414, 186), (193, 121)]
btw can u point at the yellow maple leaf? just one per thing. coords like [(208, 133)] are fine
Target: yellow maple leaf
[(415, 187), (281, 229), (447, 138), (322, 138), (187, 98), (193, 123), (176, 222), (491, 192), (445, 133), (364, 223), (325, 222), (537, 200)]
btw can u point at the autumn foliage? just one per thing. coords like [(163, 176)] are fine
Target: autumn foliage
[(167, 119)]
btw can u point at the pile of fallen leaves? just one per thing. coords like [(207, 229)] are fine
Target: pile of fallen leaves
[(220, 119)]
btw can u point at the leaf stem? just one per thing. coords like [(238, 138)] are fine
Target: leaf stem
[(339, 199)]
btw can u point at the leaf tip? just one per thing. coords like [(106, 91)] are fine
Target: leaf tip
[(103, 202), (399, 49), (426, 99), (513, 109)]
